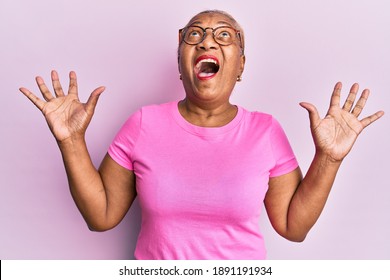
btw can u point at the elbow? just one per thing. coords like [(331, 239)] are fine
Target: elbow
[(97, 229), (100, 227), (101, 223), (294, 232), (297, 237)]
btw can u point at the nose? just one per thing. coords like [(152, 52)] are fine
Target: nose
[(208, 41)]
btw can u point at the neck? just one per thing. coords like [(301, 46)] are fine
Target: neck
[(207, 115)]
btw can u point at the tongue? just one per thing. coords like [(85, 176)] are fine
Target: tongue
[(207, 67)]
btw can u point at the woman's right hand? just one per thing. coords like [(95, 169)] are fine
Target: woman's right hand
[(66, 116)]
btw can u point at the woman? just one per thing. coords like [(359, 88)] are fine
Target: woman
[(201, 167)]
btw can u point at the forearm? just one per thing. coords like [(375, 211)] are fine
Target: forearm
[(311, 196), (85, 182)]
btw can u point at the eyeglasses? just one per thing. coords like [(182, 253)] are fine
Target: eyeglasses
[(223, 35)]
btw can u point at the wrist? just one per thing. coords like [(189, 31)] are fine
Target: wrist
[(327, 159), (72, 142)]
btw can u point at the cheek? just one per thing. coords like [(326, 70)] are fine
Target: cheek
[(185, 63), (234, 65), (233, 58)]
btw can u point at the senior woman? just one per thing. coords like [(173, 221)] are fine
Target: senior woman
[(202, 167)]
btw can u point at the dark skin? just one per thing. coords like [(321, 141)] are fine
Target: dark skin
[(103, 196), (293, 201)]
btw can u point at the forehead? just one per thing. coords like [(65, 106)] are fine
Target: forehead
[(211, 19)]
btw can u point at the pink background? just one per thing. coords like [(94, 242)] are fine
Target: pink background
[(296, 51)]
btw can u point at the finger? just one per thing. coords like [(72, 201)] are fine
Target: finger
[(73, 89), (351, 97), (43, 88), (370, 119), (33, 98), (313, 114), (335, 99), (361, 103), (93, 99), (56, 84)]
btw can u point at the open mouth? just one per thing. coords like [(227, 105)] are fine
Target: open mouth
[(206, 67)]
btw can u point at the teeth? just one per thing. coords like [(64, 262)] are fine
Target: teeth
[(203, 75), (206, 60)]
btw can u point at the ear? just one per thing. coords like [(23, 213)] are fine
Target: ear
[(180, 36), (242, 64), (178, 58), (178, 48)]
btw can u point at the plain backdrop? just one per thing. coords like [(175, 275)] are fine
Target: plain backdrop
[(295, 51)]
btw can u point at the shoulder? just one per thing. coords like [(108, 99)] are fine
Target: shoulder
[(259, 119), (151, 111), (155, 117), (257, 116), (158, 108), (157, 113), (262, 124)]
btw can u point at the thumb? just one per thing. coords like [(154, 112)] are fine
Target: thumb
[(93, 99), (313, 113)]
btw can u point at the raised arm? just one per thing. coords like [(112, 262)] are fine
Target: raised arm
[(294, 204), (103, 196)]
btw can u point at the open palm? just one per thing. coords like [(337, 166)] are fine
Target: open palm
[(66, 116), (335, 134)]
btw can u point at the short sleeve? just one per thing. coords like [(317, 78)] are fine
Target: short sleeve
[(123, 145), (284, 157)]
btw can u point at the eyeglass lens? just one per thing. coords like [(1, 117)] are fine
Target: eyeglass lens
[(223, 35)]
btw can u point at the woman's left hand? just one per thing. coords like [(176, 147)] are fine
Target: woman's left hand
[(335, 134)]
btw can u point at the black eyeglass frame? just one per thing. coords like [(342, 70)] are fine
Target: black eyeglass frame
[(183, 31)]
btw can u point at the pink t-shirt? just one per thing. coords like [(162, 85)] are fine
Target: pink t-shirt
[(201, 189)]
